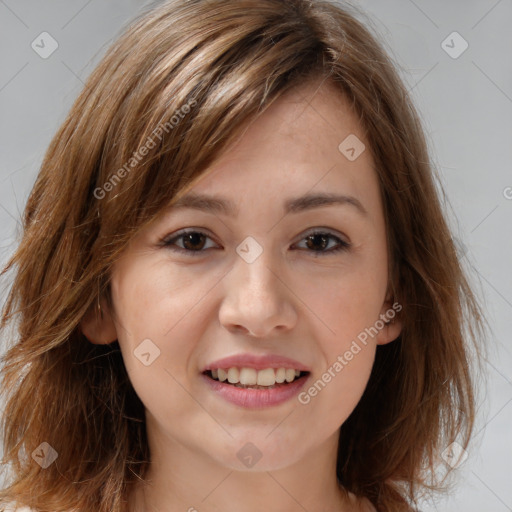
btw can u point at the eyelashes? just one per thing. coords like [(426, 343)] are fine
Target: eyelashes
[(317, 242)]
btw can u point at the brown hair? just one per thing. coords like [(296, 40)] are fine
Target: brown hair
[(187, 75)]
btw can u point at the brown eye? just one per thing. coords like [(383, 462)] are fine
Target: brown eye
[(193, 242), (318, 242)]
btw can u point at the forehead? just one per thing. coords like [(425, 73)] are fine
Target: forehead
[(315, 114), (299, 143)]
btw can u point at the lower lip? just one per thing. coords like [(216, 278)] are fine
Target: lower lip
[(256, 398)]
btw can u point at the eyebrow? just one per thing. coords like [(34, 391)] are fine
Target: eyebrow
[(222, 205)]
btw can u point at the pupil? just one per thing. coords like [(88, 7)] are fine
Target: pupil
[(322, 237), (194, 238)]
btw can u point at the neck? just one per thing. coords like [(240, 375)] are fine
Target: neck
[(182, 479)]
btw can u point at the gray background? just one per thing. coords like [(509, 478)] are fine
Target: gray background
[(466, 105)]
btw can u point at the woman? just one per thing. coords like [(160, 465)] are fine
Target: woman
[(236, 287)]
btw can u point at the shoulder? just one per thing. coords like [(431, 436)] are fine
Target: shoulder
[(360, 504), (12, 507), (366, 506)]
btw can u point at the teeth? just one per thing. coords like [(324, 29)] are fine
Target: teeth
[(248, 376), (251, 377), (233, 375), (266, 377), (290, 375)]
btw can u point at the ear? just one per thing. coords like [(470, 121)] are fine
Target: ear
[(390, 315), (97, 325)]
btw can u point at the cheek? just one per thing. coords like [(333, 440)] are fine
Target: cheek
[(346, 301), (336, 391), (348, 305), (159, 311), (154, 312), (152, 299)]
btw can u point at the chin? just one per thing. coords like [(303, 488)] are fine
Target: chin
[(259, 453)]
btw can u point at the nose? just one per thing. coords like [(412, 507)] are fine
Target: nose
[(257, 301)]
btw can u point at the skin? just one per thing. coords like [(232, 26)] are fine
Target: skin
[(290, 301)]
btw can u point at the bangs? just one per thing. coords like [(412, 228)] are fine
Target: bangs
[(189, 99)]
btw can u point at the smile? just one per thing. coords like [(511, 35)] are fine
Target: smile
[(249, 388), (250, 377)]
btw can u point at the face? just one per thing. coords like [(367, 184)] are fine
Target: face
[(300, 288)]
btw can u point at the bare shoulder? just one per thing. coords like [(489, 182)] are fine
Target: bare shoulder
[(360, 504), (366, 506), (12, 507)]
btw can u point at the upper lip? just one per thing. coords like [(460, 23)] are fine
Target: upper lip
[(258, 362)]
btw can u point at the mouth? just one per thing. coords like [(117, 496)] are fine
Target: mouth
[(250, 378), (256, 381)]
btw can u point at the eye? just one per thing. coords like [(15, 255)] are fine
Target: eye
[(317, 241), (194, 242)]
